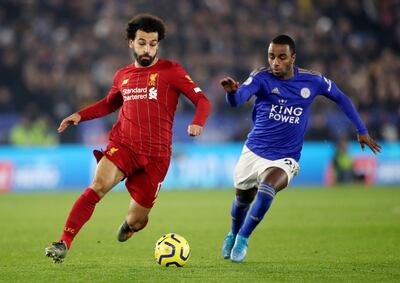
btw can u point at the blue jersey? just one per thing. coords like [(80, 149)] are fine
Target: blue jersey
[(282, 109)]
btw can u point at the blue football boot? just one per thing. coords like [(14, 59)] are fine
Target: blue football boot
[(239, 249), (229, 241)]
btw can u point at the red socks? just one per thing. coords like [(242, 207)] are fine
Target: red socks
[(80, 213)]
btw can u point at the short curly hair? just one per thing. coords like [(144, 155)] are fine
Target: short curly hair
[(285, 40), (146, 23)]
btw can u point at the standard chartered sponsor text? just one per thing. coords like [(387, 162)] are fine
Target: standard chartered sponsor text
[(134, 93)]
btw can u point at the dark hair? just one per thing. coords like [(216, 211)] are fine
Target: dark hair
[(285, 39), (146, 23)]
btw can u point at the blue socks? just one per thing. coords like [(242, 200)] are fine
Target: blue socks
[(263, 201), (238, 213)]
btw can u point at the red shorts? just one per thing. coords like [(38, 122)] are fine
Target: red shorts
[(144, 174)]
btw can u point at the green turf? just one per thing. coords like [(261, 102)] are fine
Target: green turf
[(327, 235)]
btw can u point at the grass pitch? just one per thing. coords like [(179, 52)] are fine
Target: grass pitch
[(345, 234)]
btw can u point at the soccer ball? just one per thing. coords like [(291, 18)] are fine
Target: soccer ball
[(172, 250)]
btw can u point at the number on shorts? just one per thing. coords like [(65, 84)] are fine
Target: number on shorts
[(290, 164), (293, 166)]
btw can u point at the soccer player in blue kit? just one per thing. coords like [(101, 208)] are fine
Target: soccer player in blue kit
[(268, 161)]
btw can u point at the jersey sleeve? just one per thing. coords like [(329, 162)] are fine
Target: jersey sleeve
[(329, 89), (105, 106), (185, 85), (249, 88)]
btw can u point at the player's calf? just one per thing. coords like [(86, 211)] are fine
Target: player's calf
[(125, 231)]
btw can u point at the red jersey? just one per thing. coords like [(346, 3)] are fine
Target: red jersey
[(149, 97)]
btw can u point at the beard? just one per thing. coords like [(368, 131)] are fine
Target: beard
[(144, 60), (282, 72)]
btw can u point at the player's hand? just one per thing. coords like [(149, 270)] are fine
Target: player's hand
[(71, 119), (229, 84), (194, 130), (367, 140)]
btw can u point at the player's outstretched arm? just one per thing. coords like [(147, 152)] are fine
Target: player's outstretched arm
[(367, 140), (194, 130), (71, 119), (229, 84)]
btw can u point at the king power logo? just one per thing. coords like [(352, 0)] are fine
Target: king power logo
[(285, 114)]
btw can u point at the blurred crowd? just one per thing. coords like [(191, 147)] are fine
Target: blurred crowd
[(57, 56)]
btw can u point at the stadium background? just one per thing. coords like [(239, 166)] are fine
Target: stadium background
[(59, 56)]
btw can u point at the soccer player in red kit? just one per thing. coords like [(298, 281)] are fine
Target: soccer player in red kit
[(139, 149)]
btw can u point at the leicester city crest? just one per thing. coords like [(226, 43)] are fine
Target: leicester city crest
[(305, 92)]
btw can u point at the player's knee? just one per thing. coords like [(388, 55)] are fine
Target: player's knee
[(101, 186), (246, 196), (275, 177)]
